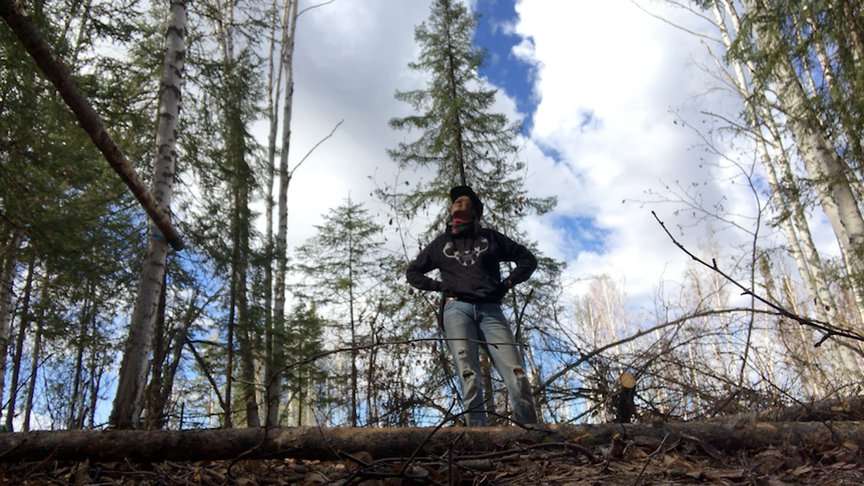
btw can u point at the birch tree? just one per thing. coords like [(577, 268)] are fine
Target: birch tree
[(767, 50), (286, 63), (784, 188), (131, 380), (274, 91)]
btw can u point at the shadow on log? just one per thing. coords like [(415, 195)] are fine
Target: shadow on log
[(838, 409), (315, 443)]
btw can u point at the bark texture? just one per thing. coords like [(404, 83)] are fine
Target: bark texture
[(279, 327), (318, 443), (134, 366)]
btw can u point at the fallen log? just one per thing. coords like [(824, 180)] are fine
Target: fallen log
[(58, 74), (837, 409), (324, 443)]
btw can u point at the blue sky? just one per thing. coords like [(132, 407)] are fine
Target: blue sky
[(598, 85), (514, 75)]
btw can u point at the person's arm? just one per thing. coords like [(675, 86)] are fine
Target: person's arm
[(525, 261), (417, 269)]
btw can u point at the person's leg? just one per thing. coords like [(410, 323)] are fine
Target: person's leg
[(508, 361), (460, 330)]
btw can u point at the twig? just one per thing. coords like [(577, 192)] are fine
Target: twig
[(291, 172), (648, 459), (635, 336), (447, 418), (829, 329), (312, 7), (673, 24)]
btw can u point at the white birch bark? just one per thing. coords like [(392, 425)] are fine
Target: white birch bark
[(134, 365), (822, 163), (274, 92), (279, 328), (854, 140), (796, 227)]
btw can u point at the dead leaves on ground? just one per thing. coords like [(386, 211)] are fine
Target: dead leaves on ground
[(679, 460)]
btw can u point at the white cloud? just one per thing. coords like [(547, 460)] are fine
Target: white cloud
[(350, 58), (610, 77)]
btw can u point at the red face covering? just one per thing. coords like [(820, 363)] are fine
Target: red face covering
[(461, 221), (462, 218)]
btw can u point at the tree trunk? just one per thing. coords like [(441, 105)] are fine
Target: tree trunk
[(371, 405), (228, 421), (23, 324), (244, 323), (273, 99), (153, 394), (279, 327), (241, 175), (458, 141), (95, 383), (58, 74), (77, 371), (318, 443), (37, 352), (352, 322), (7, 279), (134, 364)]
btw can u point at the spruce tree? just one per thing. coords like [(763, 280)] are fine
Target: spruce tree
[(460, 138), (463, 141), (340, 265)]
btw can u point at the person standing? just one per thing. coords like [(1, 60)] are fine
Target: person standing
[(468, 257)]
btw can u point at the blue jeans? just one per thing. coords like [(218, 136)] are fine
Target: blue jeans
[(466, 326)]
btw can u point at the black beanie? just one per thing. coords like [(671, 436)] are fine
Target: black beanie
[(460, 191)]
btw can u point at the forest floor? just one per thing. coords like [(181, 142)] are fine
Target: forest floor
[(680, 461)]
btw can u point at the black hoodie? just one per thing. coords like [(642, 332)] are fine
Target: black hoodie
[(469, 265)]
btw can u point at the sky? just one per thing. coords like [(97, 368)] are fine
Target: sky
[(613, 103)]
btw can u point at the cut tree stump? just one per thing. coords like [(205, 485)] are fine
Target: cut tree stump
[(624, 406), (323, 443)]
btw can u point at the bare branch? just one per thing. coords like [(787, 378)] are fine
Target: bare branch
[(291, 172), (312, 7), (673, 24), (825, 327)]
